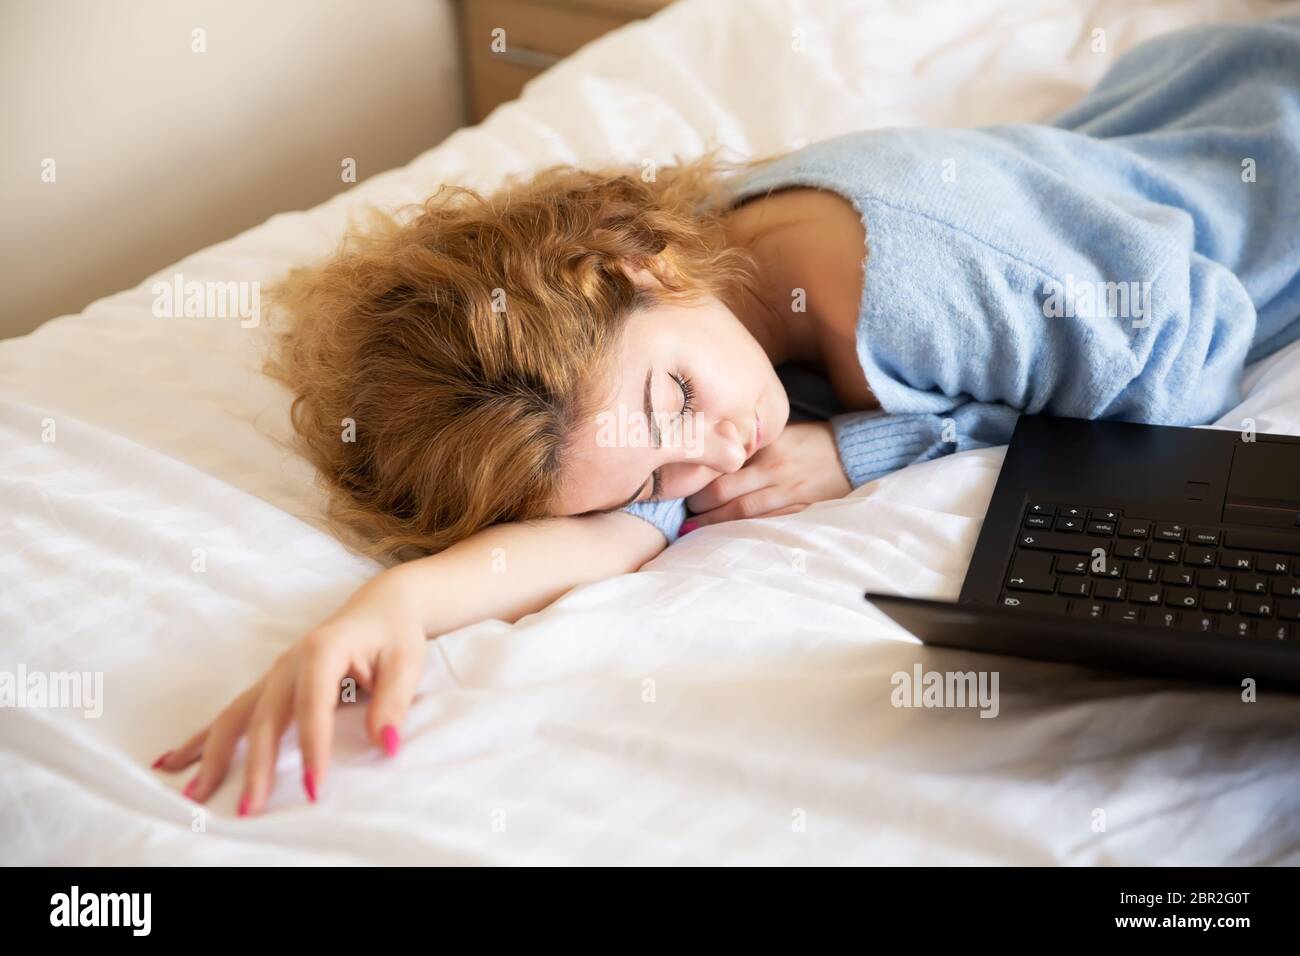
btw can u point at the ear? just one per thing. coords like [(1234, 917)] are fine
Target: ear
[(644, 277)]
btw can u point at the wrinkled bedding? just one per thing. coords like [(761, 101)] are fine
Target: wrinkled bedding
[(731, 702)]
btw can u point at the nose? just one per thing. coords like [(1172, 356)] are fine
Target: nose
[(723, 447)]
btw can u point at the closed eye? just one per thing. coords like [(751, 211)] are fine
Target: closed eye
[(688, 393), (656, 480), (688, 406)]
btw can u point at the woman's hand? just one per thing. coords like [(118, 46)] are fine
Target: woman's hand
[(376, 638), (800, 467)]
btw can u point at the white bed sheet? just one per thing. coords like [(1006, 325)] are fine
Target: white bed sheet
[(729, 703)]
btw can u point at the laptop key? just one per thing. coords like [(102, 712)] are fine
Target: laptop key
[(1069, 564), (1252, 583), (1106, 569), (1038, 521), (1130, 528), (1287, 588), (1034, 603), (1219, 602), (1143, 572), (1203, 536), (1202, 557), (1182, 597), (1048, 511), (1069, 525), (1179, 577), (1103, 514), (1280, 542), (1073, 586), (1277, 632), (1199, 622), (1144, 594), (1132, 615), (1214, 580), (1167, 553), (1288, 610), (1273, 564), (1166, 619), (1087, 609), (1030, 564), (1043, 583), (1110, 590), (1124, 549), (1170, 531), (1101, 527), (1237, 560), (1235, 625), (1256, 606), (1053, 541)]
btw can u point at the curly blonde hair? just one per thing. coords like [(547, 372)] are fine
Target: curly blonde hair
[(467, 342)]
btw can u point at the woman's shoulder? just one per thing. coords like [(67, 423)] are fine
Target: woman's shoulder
[(811, 245)]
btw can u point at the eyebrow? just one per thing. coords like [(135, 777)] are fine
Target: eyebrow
[(656, 440)]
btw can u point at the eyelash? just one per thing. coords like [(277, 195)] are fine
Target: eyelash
[(688, 393), (688, 406)]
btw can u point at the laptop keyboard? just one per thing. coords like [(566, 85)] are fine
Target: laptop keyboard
[(1102, 563)]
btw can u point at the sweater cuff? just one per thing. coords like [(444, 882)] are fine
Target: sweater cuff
[(872, 444), (668, 516)]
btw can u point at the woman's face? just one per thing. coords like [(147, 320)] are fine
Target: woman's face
[(694, 397)]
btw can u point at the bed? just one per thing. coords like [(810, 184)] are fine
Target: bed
[(729, 703)]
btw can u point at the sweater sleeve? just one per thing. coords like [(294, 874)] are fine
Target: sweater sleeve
[(1069, 275), (953, 352), (874, 443), (668, 516)]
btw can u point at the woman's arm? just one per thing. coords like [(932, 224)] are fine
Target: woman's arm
[(378, 638), (511, 570)]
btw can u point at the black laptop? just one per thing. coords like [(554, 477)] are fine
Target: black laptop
[(1147, 548)]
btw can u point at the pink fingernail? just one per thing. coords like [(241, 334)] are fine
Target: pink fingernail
[(243, 805), (309, 784), (688, 528), (189, 790), (161, 760), (390, 738)]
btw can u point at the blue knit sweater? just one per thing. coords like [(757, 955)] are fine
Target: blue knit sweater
[(1124, 261)]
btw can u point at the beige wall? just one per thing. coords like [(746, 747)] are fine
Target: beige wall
[(160, 150)]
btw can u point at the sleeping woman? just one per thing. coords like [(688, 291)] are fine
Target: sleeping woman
[(522, 392)]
